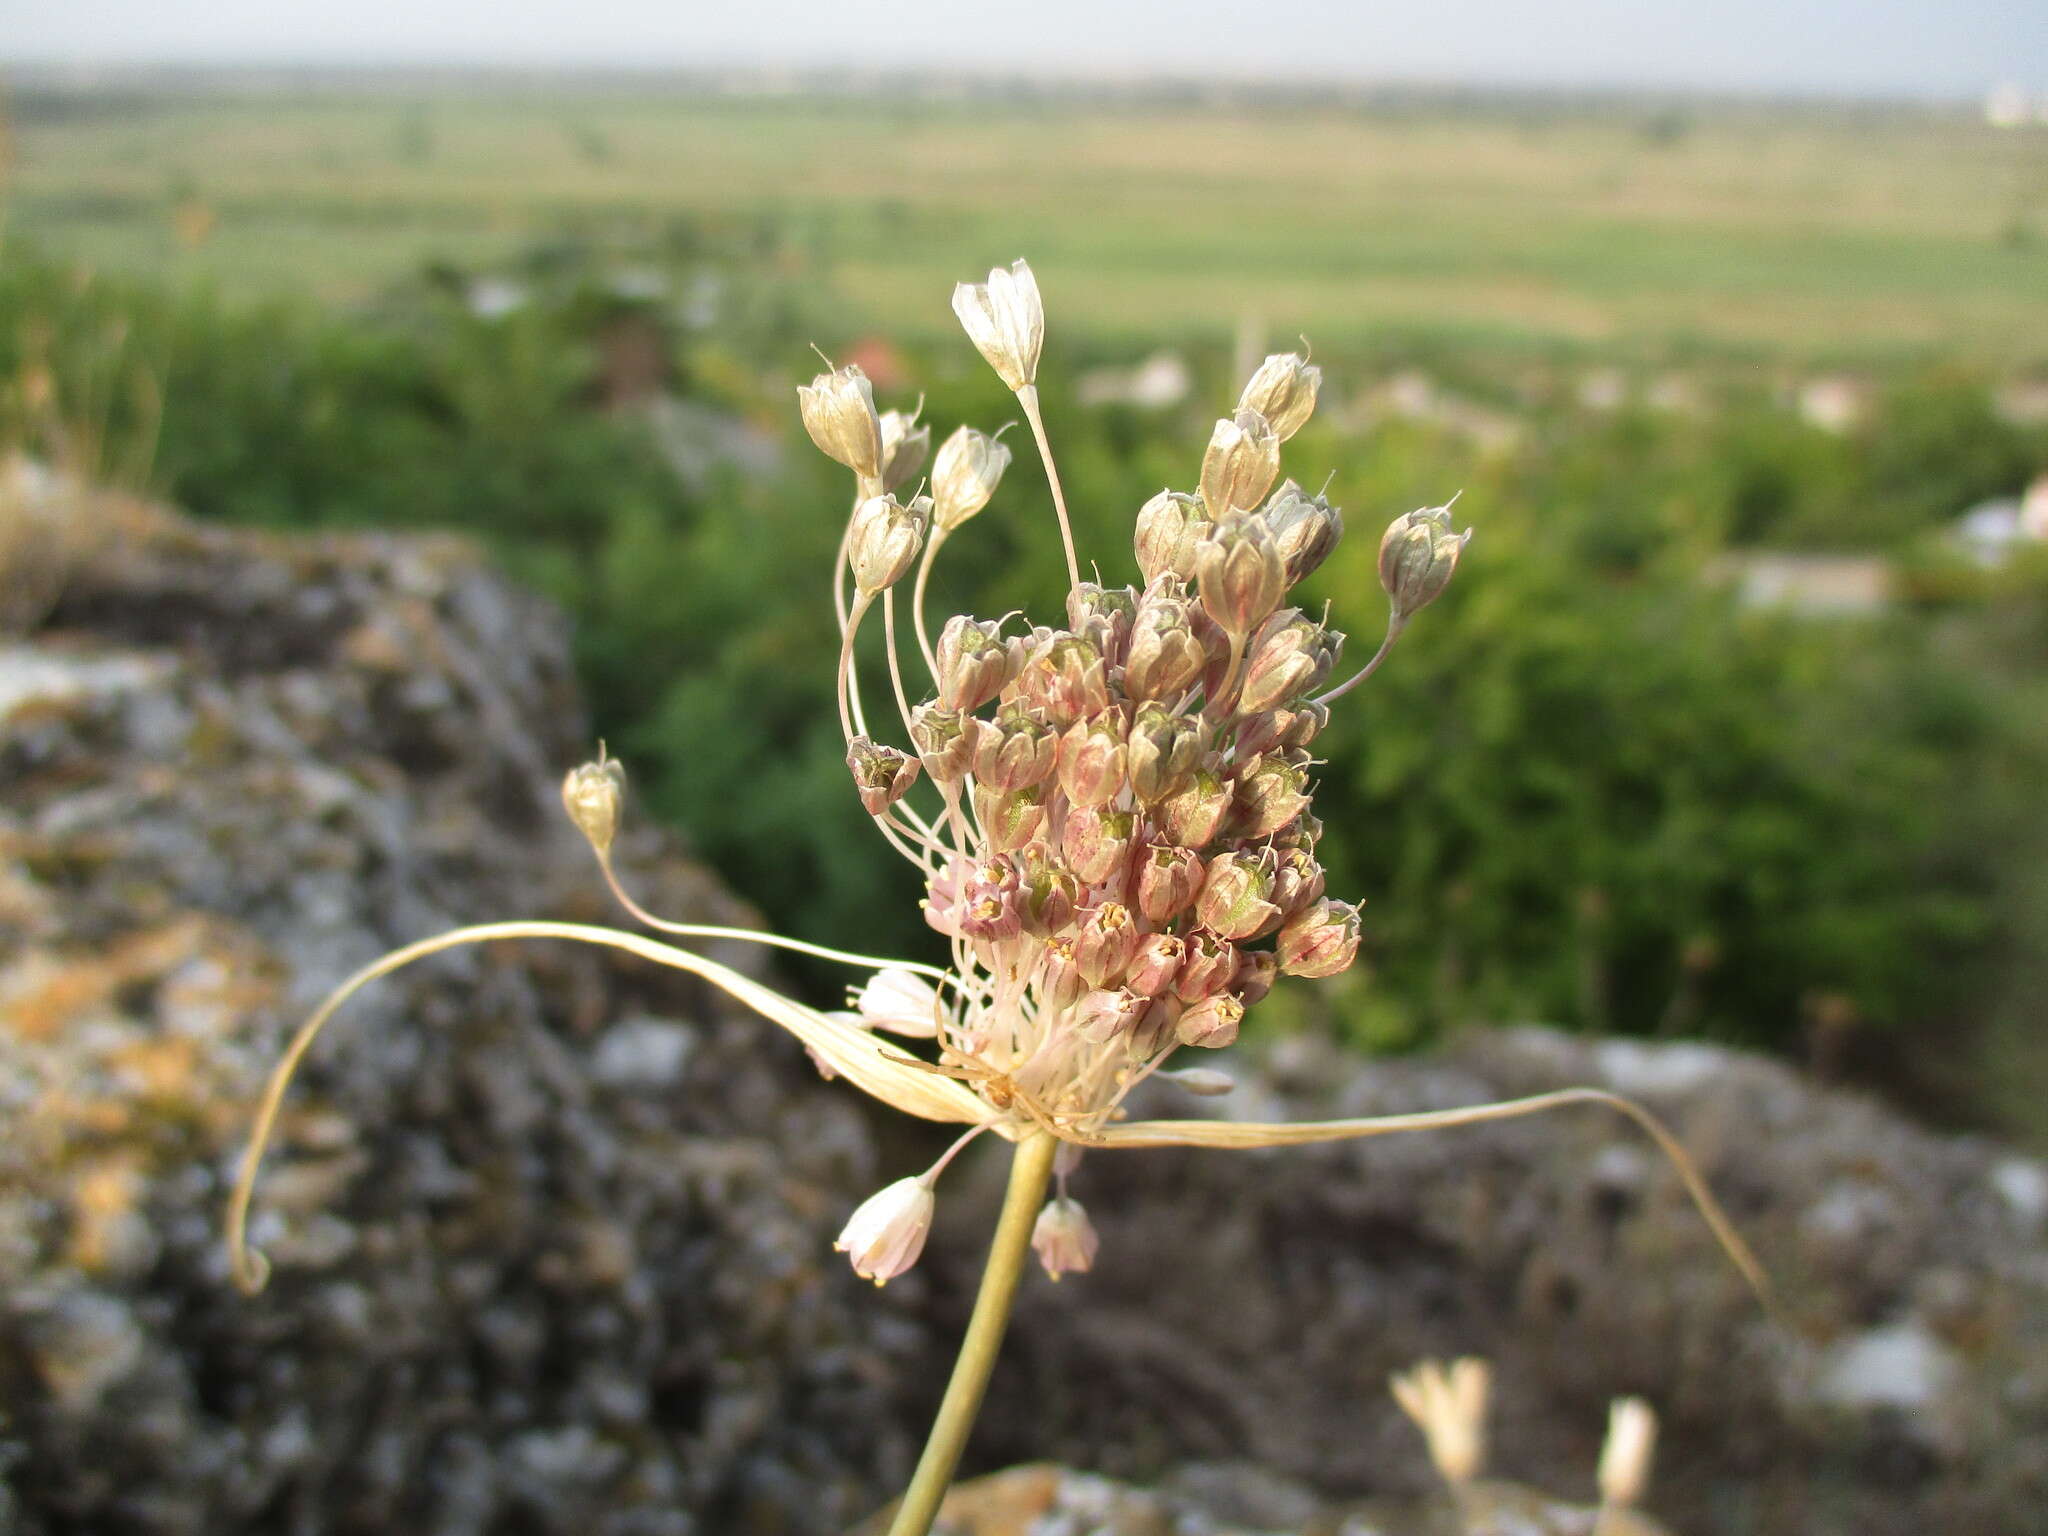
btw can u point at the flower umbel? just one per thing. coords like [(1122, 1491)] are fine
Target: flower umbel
[(1114, 825)]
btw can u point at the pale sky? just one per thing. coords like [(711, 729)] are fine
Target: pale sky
[(1835, 47)]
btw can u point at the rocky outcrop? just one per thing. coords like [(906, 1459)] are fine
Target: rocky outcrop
[(552, 1235)]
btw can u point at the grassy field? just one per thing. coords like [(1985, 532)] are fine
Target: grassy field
[(1808, 233)]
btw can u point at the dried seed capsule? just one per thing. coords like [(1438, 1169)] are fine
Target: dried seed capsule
[(905, 444), (1010, 819), (1106, 1013), (1064, 1239), (1105, 942), (946, 740), (1290, 655), (964, 476), (881, 774), (1170, 525), (839, 412), (1233, 902), (1210, 968), (1065, 680), (1155, 964), (1270, 793), (1102, 615), (1305, 529), (1166, 654), (1096, 842), (1016, 748), (1297, 882), (592, 795), (1165, 749), (1154, 1028), (1212, 1023), (886, 1233), (884, 540), (1320, 940), (972, 662), (1093, 758), (1238, 469), (1257, 970), (1418, 557), (1168, 880), (1005, 319), (1194, 816), (1283, 390), (1239, 574), (1050, 894)]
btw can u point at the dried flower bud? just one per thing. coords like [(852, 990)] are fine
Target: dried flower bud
[(1016, 748), (1210, 968), (592, 795), (1166, 654), (1239, 574), (946, 740), (1105, 943), (1093, 757), (1305, 831), (1257, 970), (1066, 680), (1005, 319), (964, 476), (1320, 940), (1096, 842), (1103, 616), (1050, 894), (1011, 819), (1168, 880), (1165, 750), (1270, 793), (1283, 391), (1238, 469), (1058, 979), (1193, 817), (1106, 1013), (1305, 529), (839, 412), (886, 1234), (1155, 963), (1303, 725), (1298, 882), (884, 540), (1233, 902), (1170, 525), (1203, 1082), (972, 662), (905, 444), (881, 774), (1626, 1456), (1064, 1239), (1212, 1023), (900, 1001), (1290, 655), (1418, 557)]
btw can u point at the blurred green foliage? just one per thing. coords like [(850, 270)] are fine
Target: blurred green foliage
[(1589, 787)]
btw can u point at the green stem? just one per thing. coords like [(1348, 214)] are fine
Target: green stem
[(1030, 1167)]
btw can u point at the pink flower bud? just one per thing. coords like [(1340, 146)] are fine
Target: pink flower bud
[(972, 662), (1016, 749), (882, 775), (1257, 970), (1049, 893), (886, 1234), (1104, 1014), (1154, 1028), (1064, 1239), (1155, 964), (1168, 880), (1065, 681), (1058, 979), (1321, 940), (1289, 656), (1239, 574), (1105, 943), (1238, 469), (1270, 794), (1297, 883), (1233, 902), (1283, 391), (1102, 615), (1210, 968), (1095, 842), (1010, 818), (1193, 817), (1093, 759), (946, 741), (1211, 1023), (1166, 655), (1165, 750), (1169, 527)]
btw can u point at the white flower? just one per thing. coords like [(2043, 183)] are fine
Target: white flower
[(886, 1234), (900, 1001), (1006, 320), (1449, 1406), (1064, 1238), (1625, 1458)]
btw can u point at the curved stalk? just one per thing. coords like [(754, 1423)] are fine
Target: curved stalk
[(1030, 1169), (1028, 398)]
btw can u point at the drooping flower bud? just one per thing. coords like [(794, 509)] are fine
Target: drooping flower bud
[(882, 775), (964, 476), (1270, 793), (1283, 390), (1212, 1023), (1105, 942), (1017, 748), (839, 412), (1005, 319), (1193, 817), (1233, 902), (1290, 655), (1168, 880), (592, 795), (1298, 882), (1064, 1239), (1166, 654), (1239, 574), (1093, 758), (1165, 750), (1320, 940), (1305, 529), (1050, 893), (1011, 819), (1210, 968), (1103, 615), (972, 662), (1242, 459), (1106, 1013), (885, 1235), (946, 740), (1095, 842), (884, 540), (1155, 963), (905, 443), (1418, 557), (1257, 970), (900, 1001), (1170, 525)]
